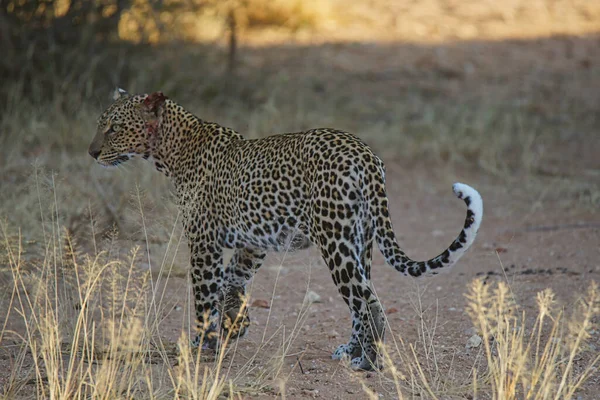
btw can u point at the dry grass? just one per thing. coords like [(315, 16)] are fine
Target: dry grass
[(88, 325), (534, 362), (518, 358)]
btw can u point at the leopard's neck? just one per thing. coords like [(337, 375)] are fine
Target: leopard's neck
[(174, 128), (186, 143)]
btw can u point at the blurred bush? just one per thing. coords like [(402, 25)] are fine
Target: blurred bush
[(199, 20), (54, 47), (51, 46)]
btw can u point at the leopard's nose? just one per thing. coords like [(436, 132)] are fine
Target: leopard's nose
[(94, 153)]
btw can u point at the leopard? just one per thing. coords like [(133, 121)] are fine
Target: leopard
[(323, 187)]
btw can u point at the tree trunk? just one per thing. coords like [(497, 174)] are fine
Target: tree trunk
[(232, 45)]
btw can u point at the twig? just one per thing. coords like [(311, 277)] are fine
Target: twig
[(300, 365), (548, 228)]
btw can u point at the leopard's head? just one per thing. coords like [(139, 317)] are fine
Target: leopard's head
[(127, 128)]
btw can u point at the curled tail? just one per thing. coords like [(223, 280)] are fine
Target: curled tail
[(394, 255)]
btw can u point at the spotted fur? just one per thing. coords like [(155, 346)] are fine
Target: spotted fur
[(321, 186)]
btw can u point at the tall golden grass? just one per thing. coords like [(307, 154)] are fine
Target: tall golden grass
[(549, 358), (88, 324), (534, 362)]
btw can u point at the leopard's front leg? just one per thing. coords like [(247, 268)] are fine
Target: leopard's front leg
[(207, 280), (235, 318)]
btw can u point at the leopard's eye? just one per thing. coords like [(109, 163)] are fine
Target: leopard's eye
[(113, 128)]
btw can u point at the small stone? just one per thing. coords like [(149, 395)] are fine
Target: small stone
[(310, 392), (312, 297), (437, 233), (474, 342), (332, 334), (471, 331), (177, 308)]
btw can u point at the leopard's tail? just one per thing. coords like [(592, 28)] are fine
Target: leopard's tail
[(394, 255)]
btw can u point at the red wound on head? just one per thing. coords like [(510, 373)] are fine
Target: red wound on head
[(154, 101), (152, 127)]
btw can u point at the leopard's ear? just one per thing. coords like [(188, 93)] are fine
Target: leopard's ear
[(119, 93), (154, 102), (152, 105)]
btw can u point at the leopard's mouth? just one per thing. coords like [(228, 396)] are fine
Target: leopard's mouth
[(113, 161)]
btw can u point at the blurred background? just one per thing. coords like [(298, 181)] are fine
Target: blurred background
[(506, 90)]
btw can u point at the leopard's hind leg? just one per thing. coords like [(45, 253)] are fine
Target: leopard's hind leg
[(346, 247)]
